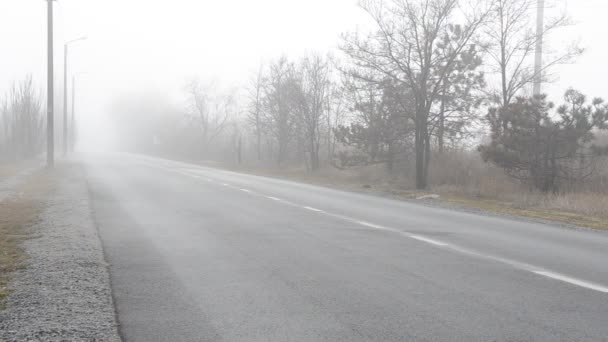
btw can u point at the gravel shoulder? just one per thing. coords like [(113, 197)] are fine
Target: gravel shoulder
[(63, 292)]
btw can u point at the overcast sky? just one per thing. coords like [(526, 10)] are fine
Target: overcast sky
[(135, 44)]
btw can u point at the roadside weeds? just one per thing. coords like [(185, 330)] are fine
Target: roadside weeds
[(17, 213), (575, 210), (58, 287)]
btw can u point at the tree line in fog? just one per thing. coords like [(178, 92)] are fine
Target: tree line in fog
[(430, 79), (21, 121)]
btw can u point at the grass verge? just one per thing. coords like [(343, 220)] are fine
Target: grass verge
[(549, 214), (17, 214), (9, 169), (578, 209)]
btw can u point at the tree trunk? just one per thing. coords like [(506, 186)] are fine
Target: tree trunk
[(259, 147), (503, 73), (314, 159), (390, 160), (419, 146), (427, 153), (441, 128), (329, 152), (239, 153)]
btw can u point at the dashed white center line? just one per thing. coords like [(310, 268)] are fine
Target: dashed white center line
[(519, 265), (427, 240), (375, 226), (314, 209), (572, 281)]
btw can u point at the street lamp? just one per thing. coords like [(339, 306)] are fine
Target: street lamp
[(65, 92), (50, 138), (73, 119)]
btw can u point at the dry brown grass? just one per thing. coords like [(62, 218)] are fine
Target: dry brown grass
[(8, 169), (587, 203), (488, 188), (535, 212), (463, 179), (16, 215)]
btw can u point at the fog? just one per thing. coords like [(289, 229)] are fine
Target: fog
[(135, 70), (157, 46), (304, 170)]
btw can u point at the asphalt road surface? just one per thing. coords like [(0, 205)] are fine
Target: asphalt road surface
[(199, 254)]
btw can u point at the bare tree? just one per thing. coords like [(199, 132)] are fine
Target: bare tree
[(511, 42), (335, 108), (315, 90), (22, 119), (211, 110), (281, 92), (255, 108), (405, 48)]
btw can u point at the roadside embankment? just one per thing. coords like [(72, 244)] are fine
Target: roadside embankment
[(55, 281)]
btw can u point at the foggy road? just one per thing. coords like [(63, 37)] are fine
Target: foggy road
[(199, 254)]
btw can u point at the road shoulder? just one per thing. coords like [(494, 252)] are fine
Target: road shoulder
[(458, 202), (62, 291)]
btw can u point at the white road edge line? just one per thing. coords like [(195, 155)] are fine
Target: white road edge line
[(572, 281), (314, 209), (245, 190), (509, 262), (427, 240), (515, 264), (533, 269)]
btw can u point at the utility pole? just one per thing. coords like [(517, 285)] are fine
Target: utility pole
[(50, 138), (65, 99), (538, 60), (72, 142), (65, 93), (73, 131)]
